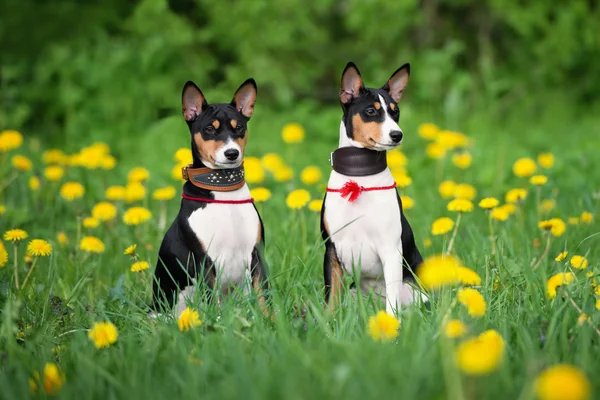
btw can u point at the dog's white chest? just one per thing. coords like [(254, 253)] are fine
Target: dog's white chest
[(368, 230), (228, 233)]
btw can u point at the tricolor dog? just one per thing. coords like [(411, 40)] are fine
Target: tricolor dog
[(365, 231), (216, 240)]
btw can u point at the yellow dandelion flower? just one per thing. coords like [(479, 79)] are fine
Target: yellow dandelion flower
[(480, 355), (538, 180), (136, 215), (556, 226), (15, 235), (292, 133), (402, 180), (524, 167), (91, 244), (454, 328), (515, 195), (272, 161), (34, 183), (383, 327), (547, 205), (115, 193), (396, 159), (573, 220), (3, 255), (297, 199), (446, 189), (310, 175), (562, 256), (465, 191), (183, 156), (451, 140), (582, 319), (444, 270), (54, 173), (39, 248), (488, 203), (460, 205), (283, 174), (562, 382), (176, 172), (508, 208), (260, 194), (545, 160), (54, 156), (108, 162), (139, 266), (103, 334), (104, 211), (597, 304), (587, 217), (188, 319), (578, 262), (441, 226), (435, 151), (473, 300), (138, 174), (90, 222), (428, 131), (71, 191), (499, 214), (427, 242), (130, 250), (10, 140), (52, 380), (315, 205), (2, 209), (556, 280), (164, 194), (21, 163), (253, 170), (407, 202), (62, 238), (134, 191), (462, 160)]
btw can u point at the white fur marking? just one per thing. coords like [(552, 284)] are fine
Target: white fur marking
[(228, 233), (389, 125)]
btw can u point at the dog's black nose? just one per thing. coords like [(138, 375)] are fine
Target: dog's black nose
[(396, 136), (232, 154)]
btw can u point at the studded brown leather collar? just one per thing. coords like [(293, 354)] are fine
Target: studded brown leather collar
[(218, 180)]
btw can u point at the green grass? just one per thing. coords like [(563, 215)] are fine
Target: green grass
[(314, 355)]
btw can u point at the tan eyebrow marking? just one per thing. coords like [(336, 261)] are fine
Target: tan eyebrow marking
[(392, 106), (377, 105), (216, 124), (233, 123)]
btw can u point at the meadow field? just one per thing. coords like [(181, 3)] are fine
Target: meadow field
[(518, 324)]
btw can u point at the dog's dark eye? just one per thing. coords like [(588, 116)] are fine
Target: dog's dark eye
[(371, 112), (210, 130), (239, 128)]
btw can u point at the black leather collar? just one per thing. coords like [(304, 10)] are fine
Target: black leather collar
[(354, 161)]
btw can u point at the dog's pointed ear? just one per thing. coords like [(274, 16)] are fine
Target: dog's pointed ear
[(192, 101), (397, 82), (352, 83), (244, 98)]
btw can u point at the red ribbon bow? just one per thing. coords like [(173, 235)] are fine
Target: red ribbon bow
[(352, 190)]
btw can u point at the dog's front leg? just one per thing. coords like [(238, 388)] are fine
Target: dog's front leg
[(260, 285), (392, 274), (333, 273)]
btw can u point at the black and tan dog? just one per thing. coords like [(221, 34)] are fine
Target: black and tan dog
[(217, 238), (364, 228)]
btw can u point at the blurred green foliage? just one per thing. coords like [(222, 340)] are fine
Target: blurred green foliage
[(112, 69)]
